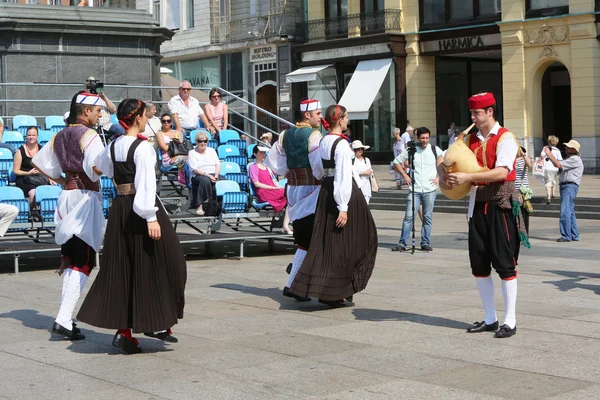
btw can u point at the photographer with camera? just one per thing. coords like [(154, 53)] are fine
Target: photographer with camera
[(105, 126), (423, 184)]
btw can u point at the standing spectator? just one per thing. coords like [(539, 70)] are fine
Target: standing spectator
[(426, 160), (153, 124), (186, 109), (398, 148), (28, 177), (550, 170), (362, 165), (522, 184), (571, 171), (108, 108), (205, 167), (267, 187), (5, 145), (408, 135), (216, 111)]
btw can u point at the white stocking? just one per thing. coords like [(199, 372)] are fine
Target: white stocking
[(486, 291), (73, 284), (509, 291), (296, 264)]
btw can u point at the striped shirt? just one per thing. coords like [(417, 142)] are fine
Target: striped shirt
[(521, 170)]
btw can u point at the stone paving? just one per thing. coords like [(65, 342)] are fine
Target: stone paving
[(404, 339)]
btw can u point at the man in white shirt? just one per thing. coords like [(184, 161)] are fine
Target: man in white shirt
[(425, 177), (186, 109), (408, 136)]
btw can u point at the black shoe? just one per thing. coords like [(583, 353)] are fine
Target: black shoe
[(164, 336), (426, 247), (334, 304), (70, 335), (125, 344), (75, 328), (399, 247), (482, 327), (350, 301), (289, 269), (562, 240), (505, 332), (286, 293)]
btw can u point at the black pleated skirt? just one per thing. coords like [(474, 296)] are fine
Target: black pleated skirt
[(339, 262), (141, 281)]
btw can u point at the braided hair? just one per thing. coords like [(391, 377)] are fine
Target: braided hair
[(128, 110), (333, 114)]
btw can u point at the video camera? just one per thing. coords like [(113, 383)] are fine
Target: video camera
[(412, 147), (94, 86)]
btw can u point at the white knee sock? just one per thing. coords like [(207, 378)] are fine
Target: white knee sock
[(73, 284), (486, 291), (509, 291), (296, 264)]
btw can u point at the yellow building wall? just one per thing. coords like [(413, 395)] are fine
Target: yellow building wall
[(316, 9), (410, 15), (420, 89)]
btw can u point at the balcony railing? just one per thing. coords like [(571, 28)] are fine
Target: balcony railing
[(384, 21), (260, 27)]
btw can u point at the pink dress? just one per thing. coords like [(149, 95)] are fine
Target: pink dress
[(276, 198)]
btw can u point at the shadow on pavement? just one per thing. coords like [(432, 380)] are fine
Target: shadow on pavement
[(369, 314), (31, 319), (574, 280)]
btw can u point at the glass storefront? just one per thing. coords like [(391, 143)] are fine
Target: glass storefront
[(455, 81), (203, 73)]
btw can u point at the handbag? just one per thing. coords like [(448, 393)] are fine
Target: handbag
[(35, 180), (374, 184), (178, 147), (538, 167)]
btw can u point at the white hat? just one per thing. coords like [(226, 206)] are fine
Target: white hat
[(90, 99), (357, 144), (310, 105), (574, 144)]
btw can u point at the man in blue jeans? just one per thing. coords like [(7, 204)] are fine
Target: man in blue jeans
[(425, 177), (571, 171)]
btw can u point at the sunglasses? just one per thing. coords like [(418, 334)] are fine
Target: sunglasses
[(216, 96), (201, 141), (165, 121), (185, 89)]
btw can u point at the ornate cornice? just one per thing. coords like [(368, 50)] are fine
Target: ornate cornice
[(546, 35)]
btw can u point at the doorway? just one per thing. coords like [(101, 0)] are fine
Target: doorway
[(266, 98), (556, 103)]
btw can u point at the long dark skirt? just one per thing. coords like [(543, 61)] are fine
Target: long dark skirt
[(141, 281), (339, 262), (202, 190)]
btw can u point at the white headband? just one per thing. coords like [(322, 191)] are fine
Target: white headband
[(310, 105), (90, 99)]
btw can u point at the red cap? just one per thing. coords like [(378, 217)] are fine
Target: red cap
[(481, 100)]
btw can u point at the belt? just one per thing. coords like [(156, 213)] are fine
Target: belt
[(567, 183), (125, 189)]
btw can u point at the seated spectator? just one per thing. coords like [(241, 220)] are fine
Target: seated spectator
[(216, 111), (267, 187), (5, 145), (205, 167), (163, 138), (28, 177), (153, 124), (266, 138)]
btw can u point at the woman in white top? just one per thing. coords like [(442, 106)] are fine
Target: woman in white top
[(362, 165), (343, 247), (141, 283), (550, 171), (205, 167), (152, 122), (398, 148)]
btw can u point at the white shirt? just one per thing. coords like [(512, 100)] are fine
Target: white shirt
[(188, 115), (425, 168), (547, 163), (153, 125), (361, 166), (344, 171), (206, 162), (406, 138), (145, 178), (302, 200)]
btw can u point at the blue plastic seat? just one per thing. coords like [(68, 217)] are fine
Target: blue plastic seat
[(114, 119), (251, 149), (54, 123), (106, 203), (14, 195), (222, 187), (13, 137), (238, 177), (47, 198), (6, 154), (213, 144), (228, 134), (6, 168), (22, 122), (229, 167), (255, 203), (108, 187), (233, 200), (239, 160), (225, 150), (283, 182), (44, 137), (240, 144)]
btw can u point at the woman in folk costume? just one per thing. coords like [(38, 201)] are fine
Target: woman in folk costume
[(343, 247), (140, 286), (79, 220)]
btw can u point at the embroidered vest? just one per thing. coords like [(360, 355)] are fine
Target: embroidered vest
[(68, 147), (485, 152), (295, 145)]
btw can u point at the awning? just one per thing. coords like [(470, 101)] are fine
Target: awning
[(305, 74), (364, 86)]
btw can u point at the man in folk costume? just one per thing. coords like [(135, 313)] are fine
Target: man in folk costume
[(495, 223), (294, 156), (79, 219)]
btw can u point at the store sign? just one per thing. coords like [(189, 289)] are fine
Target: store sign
[(263, 53), (344, 52), (460, 44)]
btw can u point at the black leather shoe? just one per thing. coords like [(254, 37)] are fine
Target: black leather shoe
[(334, 304), (562, 240), (75, 328), (125, 344), (426, 247), (289, 269), (482, 327), (286, 293), (505, 331), (70, 335), (164, 336)]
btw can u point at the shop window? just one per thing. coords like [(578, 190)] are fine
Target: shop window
[(379, 126), (435, 13), (545, 8), (336, 13)]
